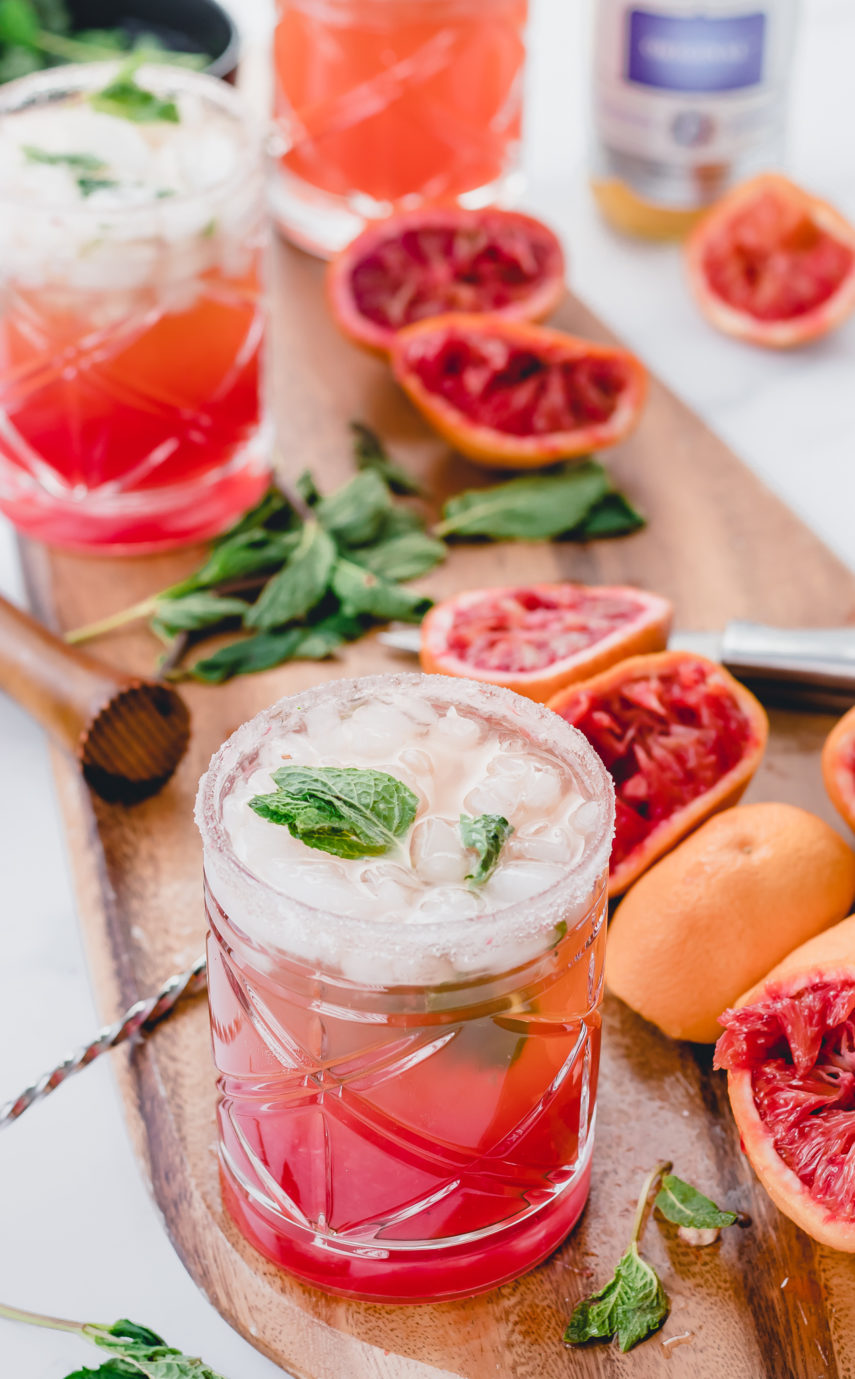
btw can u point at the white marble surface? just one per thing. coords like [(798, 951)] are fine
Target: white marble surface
[(79, 1234)]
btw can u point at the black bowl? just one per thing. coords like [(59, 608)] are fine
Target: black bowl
[(192, 26)]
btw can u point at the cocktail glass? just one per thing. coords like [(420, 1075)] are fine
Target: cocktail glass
[(406, 1094), (386, 104), (132, 324)]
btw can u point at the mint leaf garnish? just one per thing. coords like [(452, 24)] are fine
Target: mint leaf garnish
[(536, 507), (686, 1206), (363, 592), (486, 834), (88, 185), (613, 515), (633, 1304), (299, 585), (80, 162), (370, 453), (134, 1350), (341, 810), (354, 514), (127, 100)]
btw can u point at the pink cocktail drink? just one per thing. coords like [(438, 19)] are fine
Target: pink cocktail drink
[(408, 1059), (131, 312), (386, 104)]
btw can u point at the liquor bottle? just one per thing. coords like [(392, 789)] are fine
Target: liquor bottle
[(688, 98)]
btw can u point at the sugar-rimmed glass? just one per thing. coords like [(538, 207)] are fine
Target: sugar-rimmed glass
[(406, 1103), (131, 325)]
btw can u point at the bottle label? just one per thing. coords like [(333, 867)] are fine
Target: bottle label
[(689, 93), (695, 53)]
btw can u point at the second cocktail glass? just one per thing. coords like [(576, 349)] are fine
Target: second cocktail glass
[(408, 1062), (389, 104), (132, 319)]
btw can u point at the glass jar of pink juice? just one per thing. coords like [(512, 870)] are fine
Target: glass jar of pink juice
[(408, 1057)]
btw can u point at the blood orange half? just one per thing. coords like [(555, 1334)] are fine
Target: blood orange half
[(514, 395), (537, 638), (772, 264), (681, 739), (425, 262), (789, 1048), (838, 767)]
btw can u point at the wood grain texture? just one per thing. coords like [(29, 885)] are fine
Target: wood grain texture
[(765, 1301)]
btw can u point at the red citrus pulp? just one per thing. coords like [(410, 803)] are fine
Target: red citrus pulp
[(536, 638), (513, 395), (838, 767), (425, 262), (772, 264), (680, 737), (789, 1048)]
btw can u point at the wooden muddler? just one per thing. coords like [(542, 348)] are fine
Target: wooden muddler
[(128, 734)]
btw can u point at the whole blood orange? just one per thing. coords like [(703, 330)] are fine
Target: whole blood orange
[(789, 1051), (772, 264), (838, 766), (513, 395), (681, 738), (711, 918), (427, 261), (537, 638)]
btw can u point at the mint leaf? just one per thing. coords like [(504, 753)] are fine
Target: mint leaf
[(126, 100), (361, 591), (193, 612), (88, 185), (341, 810), (271, 512), (82, 162), (134, 1350), (307, 488), (265, 651), (407, 556), (247, 553), (370, 453), (631, 1306), (533, 508), (686, 1206), (613, 515), (486, 834), (354, 513), (19, 24), (299, 585)]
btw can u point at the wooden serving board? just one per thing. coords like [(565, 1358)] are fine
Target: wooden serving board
[(763, 1302)]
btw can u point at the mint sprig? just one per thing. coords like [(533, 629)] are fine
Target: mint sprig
[(485, 834), (686, 1206), (79, 162), (125, 99), (345, 811), (133, 1349), (633, 1304)]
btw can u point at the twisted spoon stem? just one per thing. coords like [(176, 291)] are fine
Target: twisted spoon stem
[(139, 1019)]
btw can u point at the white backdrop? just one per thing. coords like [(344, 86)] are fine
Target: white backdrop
[(79, 1236)]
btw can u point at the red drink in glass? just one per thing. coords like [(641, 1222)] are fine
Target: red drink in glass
[(131, 316), (388, 103), (408, 1083)]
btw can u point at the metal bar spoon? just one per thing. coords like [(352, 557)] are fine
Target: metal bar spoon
[(139, 1019)]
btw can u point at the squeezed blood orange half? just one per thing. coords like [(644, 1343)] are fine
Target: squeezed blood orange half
[(431, 260), (513, 395), (681, 739), (772, 264), (536, 638), (789, 1048), (838, 767)]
